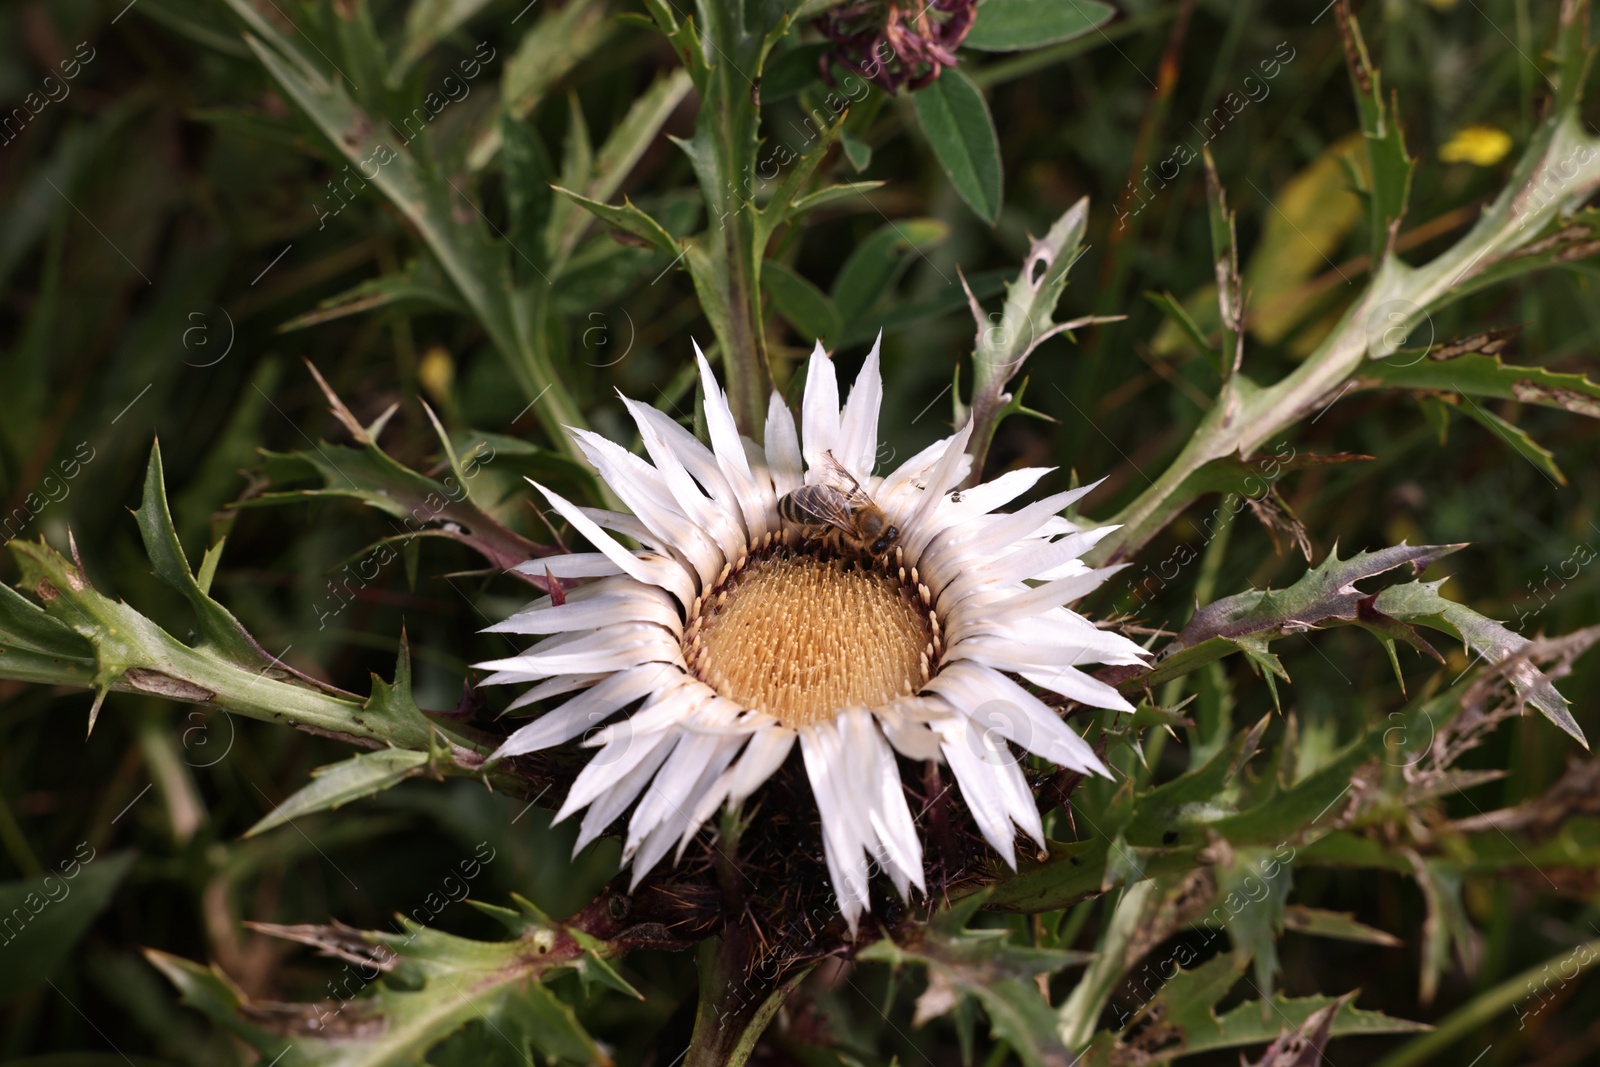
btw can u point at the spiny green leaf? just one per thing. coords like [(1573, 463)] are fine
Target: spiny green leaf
[(1181, 1020), (403, 993), (416, 504), (1386, 149), (1327, 591), (1482, 375), (218, 629), (630, 219), (1420, 602), (983, 964), (875, 263), (338, 784)]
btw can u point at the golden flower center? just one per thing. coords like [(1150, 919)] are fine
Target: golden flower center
[(802, 637)]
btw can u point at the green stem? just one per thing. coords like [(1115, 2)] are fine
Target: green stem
[(1245, 415), (132, 654), (1474, 1015), (724, 261), (737, 1001)]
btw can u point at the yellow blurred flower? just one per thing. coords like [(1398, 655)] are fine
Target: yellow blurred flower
[(436, 372), (1482, 146)]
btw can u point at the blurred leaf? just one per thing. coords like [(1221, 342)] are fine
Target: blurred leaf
[(418, 281), (427, 23), (528, 171), (552, 46), (1304, 229), (1516, 438), (1341, 926), (454, 228), (807, 308), (857, 151), (791, 72), (956, 120), (198, 20), (1225, 268), (874, 264), (1257, 925), (913, 313), (44, 917), (1446, 926), (1179, 319), (1019, 25)]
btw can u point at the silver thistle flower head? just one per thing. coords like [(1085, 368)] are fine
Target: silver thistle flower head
[(695, 665)]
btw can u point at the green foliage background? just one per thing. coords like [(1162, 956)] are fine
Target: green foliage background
[(167, 236)]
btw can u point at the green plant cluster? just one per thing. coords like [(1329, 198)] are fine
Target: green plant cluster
[(311, 287)]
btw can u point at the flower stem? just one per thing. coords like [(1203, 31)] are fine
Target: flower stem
[(738, 998), (724, 261)]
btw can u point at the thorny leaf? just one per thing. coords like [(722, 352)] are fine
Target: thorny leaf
[(1446, 926), (1005, 341), (1328, 595), (1181, 1019), (1482, 373), (1391, 167), (400, 994), (423, 506), (984, 964), (340, 783), (1301, 1046)]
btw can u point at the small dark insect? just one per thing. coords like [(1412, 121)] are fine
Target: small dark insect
[(840, 515)]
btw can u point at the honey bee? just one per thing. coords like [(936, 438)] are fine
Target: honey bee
[(840, 516)]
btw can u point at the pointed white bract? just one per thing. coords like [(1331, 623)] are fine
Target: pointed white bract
[(670, 746)]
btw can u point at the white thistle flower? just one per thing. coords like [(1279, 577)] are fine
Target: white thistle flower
[(730, 642)]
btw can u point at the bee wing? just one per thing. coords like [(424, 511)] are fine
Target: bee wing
[(841, 479), (831, 507)]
